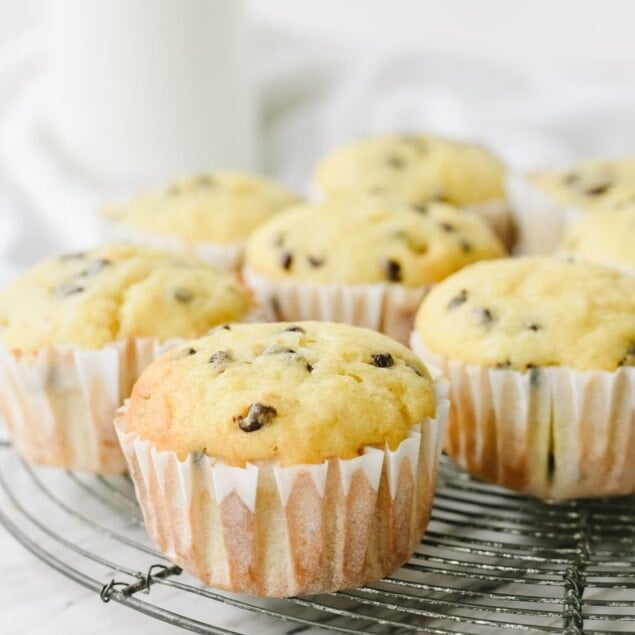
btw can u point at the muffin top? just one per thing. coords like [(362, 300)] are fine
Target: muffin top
[(536, 311), (115, 292), (220, 207), (607, 237), (368, 243), (413, 169), (590, 185), (293, 393)]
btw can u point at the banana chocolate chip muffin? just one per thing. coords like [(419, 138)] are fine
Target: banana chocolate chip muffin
[(418, 169), (310, 451), (209, 215), (545, 202), (75, 332), (540, 354), (607, 237), (364, 264)]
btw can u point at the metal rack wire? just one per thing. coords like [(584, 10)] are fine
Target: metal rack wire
[(490, 560)]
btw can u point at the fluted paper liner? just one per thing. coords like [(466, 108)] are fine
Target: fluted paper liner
[(540, 218), (59, 403), (552, 432), (226, 256), (278, 531), (386, 307), (497, 214)]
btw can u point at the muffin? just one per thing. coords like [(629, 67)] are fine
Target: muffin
[(209, 216), (281, 459), (76, 331), (606, 237), (540, 355), (417, 169), (364, 264), (545, 202)]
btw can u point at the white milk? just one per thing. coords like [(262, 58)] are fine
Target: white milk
[(145, 90)]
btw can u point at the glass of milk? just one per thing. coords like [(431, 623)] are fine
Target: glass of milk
[(146, 90)]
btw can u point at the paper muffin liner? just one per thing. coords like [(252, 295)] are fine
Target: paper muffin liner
[(59, 403), (555, 433), (386, 307), (540, 218), (497, 214), (226, 256), (279, 531)]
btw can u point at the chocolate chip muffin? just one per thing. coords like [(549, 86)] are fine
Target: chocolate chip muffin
[(310, 452), (75, 332), (209, 215), (606, 237), (544, 203), (418, 169), (540, 353), (367, 264)]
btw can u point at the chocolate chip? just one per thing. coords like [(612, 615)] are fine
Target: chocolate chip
[(183, 295), (598, 190), (226, 327), (314, 261), (502, 365), (185, 352), (458, 300), (257, 416), (415, 370), (95, 267), (393, 270), (221, 357), (68, 289), (309, 367), (395, 162), (422, 209), (465, 246), (205, 180), (277, 350), (286, 260), (447, 227), (294, 329), (629, 358), (383, 360), (534, 326), (484, 315), (78, 255)]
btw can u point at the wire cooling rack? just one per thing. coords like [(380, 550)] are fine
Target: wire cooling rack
[(490, 560)]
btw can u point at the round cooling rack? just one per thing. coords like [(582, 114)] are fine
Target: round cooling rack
[(490, 560)]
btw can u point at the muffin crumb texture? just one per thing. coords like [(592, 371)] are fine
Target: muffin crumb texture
[(358, 243), (222, 207), (291, 393), (411, 168), (115, 292), (531, 312)]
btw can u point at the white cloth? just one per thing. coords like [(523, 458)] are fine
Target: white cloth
[(315, 96)]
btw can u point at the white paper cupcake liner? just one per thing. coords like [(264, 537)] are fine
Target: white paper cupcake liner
[(552, 432), (226, 256), (59, 403), (385, 307), (497, 214), (279, 531), (540, 218)]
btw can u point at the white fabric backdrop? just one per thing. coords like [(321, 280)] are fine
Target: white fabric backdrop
[(314, 97)]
